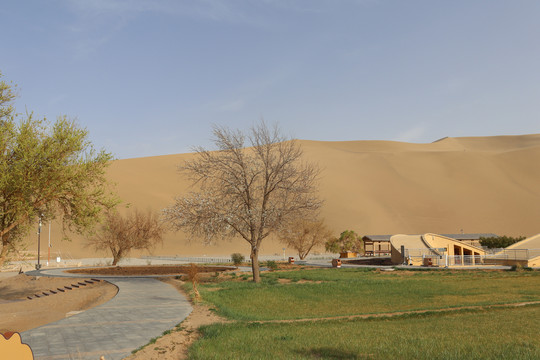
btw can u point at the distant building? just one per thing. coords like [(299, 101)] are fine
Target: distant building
[(377, 245), (451, 250)]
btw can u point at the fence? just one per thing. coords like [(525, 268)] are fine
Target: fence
[(438, 258), (227, 260), (198, 259)]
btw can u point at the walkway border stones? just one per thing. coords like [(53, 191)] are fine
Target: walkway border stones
[(143, 309)]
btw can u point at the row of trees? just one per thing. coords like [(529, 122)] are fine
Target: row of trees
[(252, 185), (255, 184), (499, 242)]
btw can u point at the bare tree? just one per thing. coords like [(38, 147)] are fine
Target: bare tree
[(246, 192), (303, 235), (120, 235)]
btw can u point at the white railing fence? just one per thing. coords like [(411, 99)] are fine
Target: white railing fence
[(432, 258)]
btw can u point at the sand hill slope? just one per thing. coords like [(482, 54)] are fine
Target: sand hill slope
[(478, 185)]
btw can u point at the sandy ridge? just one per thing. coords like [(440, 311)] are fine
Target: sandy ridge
[(474, 184)]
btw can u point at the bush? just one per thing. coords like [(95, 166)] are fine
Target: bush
[(271, 264), (347, 241), (499, 242), (237, 258)]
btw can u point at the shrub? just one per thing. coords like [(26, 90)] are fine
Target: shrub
[(499, 242), (271, 264), (237, 258), (347, 241)]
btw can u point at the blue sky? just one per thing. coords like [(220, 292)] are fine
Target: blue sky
[(150, 77)]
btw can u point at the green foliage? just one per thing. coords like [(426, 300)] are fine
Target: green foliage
[(49, 170), (347, 241), (333, 245), (499, 242), (272, 265), (237, 258)]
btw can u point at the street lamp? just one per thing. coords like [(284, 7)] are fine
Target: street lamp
[(38, 265)]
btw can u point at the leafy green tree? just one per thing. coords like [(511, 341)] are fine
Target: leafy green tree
[(48, 171), (347, 241), (499, 242)]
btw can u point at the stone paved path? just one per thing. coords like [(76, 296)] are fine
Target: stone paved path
[(143, 309)]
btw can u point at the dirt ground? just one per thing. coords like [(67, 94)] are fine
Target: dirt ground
[(20, 314), (148, 270)]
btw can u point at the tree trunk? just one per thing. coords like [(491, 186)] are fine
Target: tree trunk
[(116, 257), (255, 265), (3, 254), (5, 249), (195, 290)]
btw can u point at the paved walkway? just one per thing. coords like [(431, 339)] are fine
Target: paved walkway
[(143, 309)]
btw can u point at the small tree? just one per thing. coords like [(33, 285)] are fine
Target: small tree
[(237, 258), (499, 242), (347, 241), (303, 235), (120, 235), (246, 192), (193, 277)]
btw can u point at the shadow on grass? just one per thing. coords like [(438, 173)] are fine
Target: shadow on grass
[(333, 353)]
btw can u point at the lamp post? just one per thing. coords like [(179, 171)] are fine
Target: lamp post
[(49, 248), (38, 265)]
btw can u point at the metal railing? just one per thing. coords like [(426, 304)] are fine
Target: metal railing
[(228, 260), (501, 258), (519, 254)]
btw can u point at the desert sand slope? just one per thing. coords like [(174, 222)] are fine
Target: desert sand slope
[(476, 184)]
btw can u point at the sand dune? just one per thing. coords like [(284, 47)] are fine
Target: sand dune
[(474, 184)]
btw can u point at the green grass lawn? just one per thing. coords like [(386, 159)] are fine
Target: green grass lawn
[(494, 333), (360, 291)]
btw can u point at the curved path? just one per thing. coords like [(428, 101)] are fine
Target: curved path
[(143, 309)]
